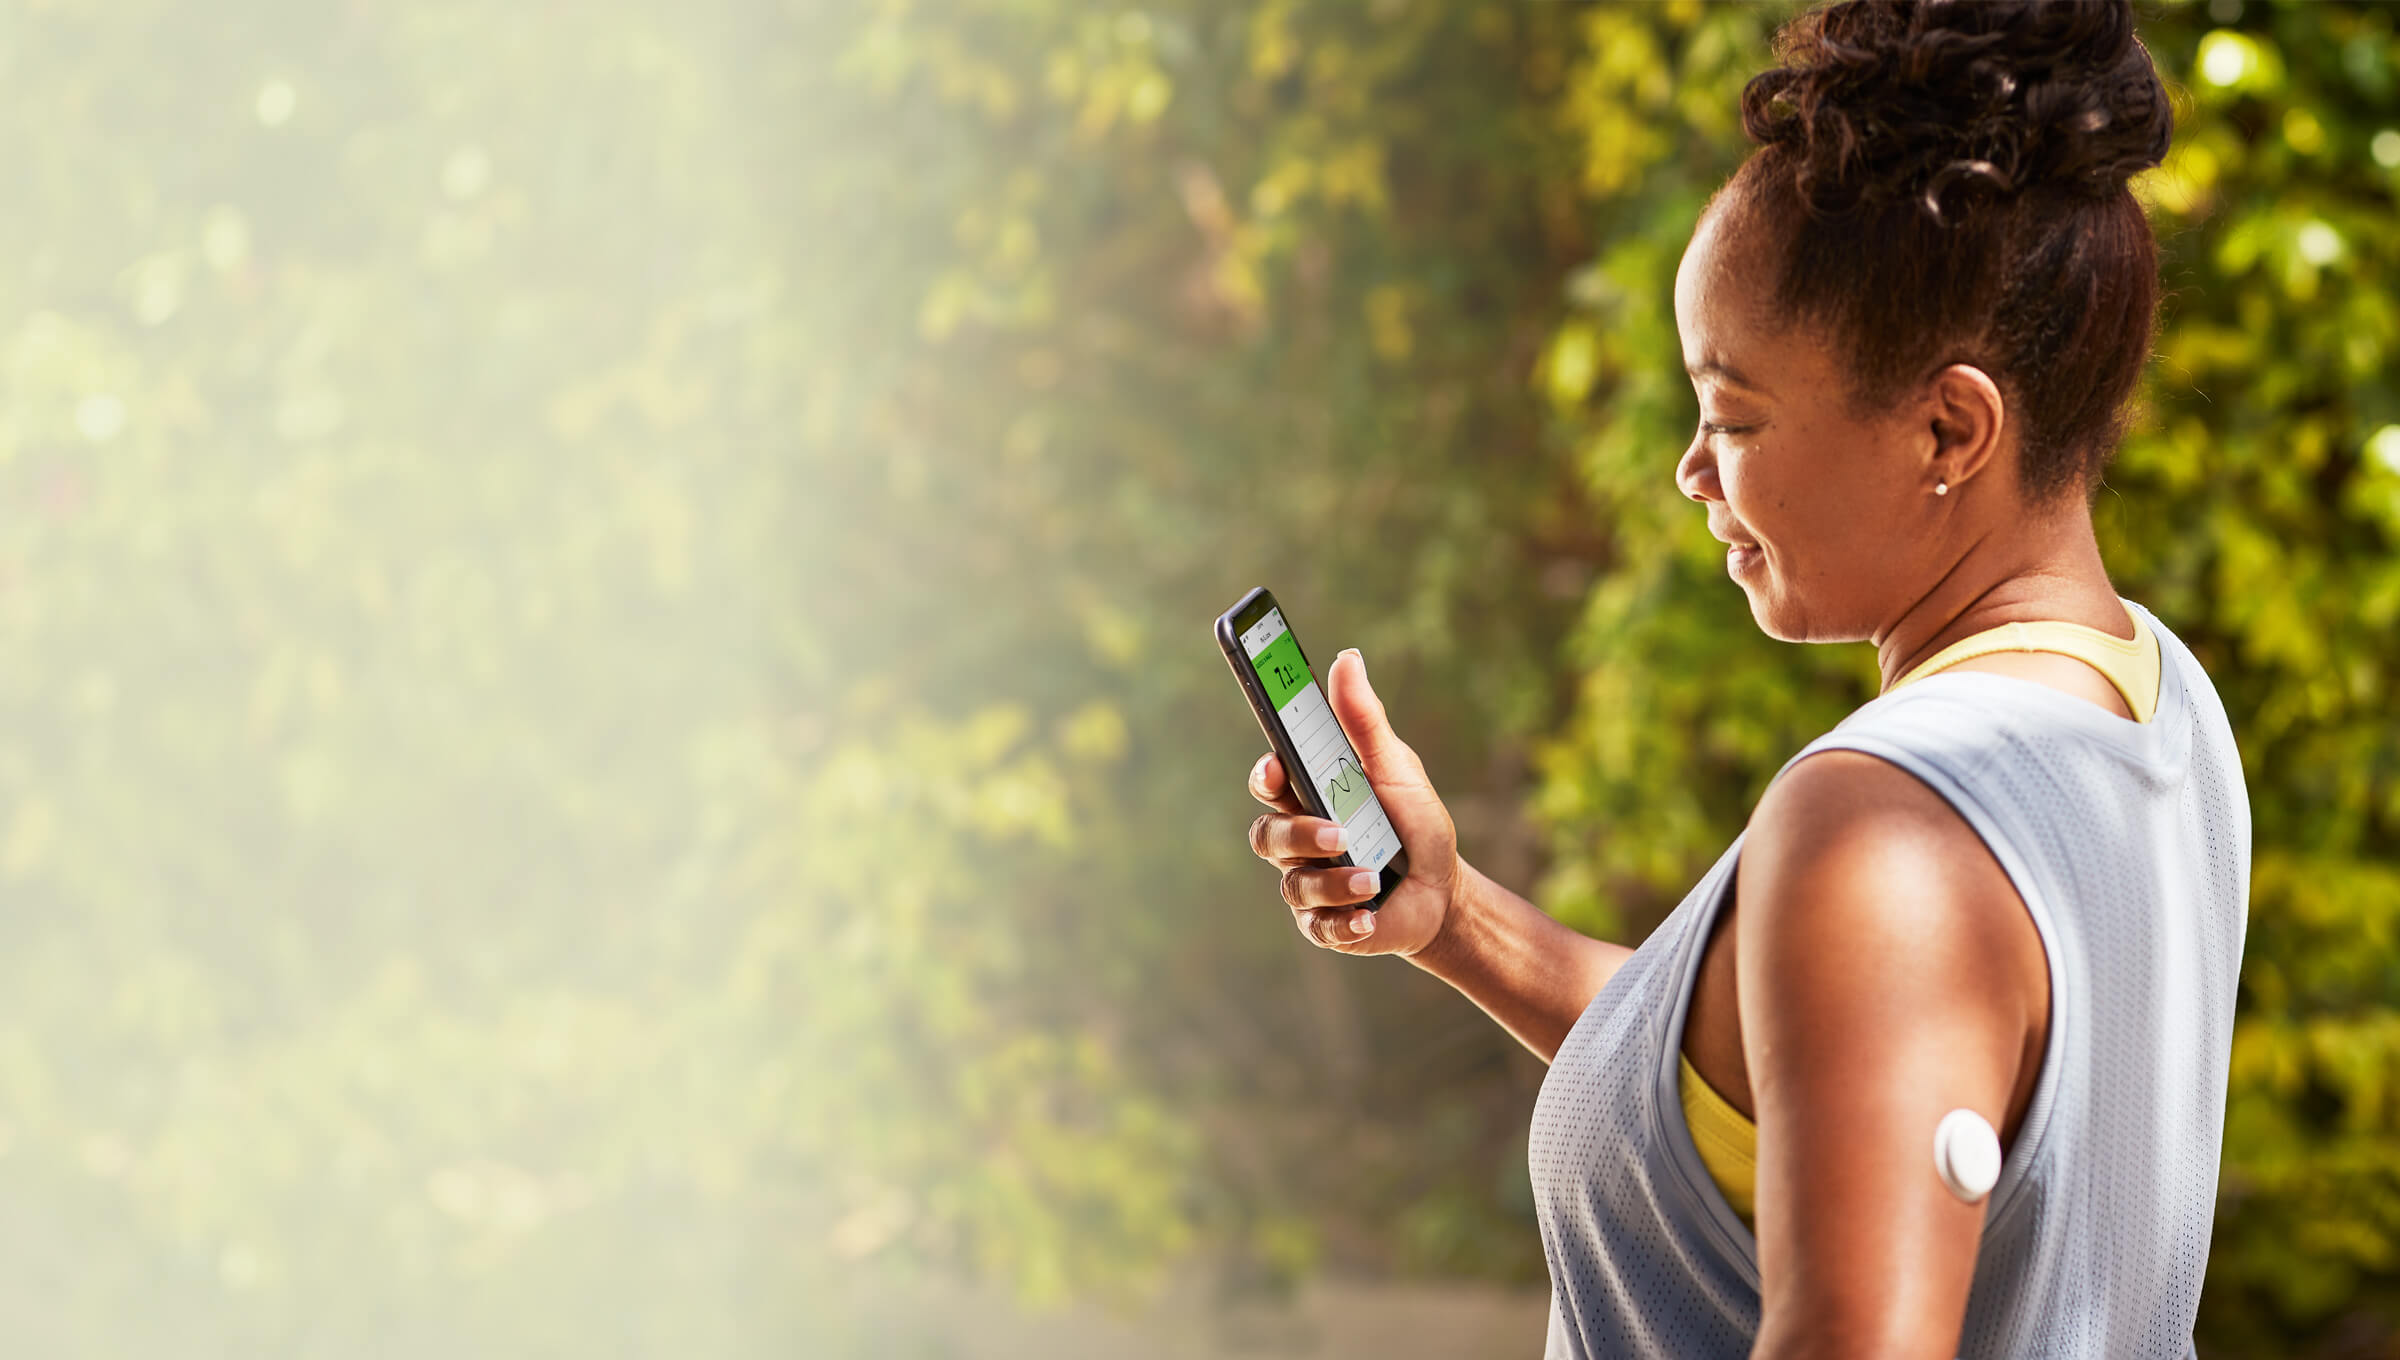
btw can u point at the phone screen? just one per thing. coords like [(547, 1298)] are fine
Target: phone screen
[(1331, 764)]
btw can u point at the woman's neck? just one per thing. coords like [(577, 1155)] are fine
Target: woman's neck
[(2053, 572)]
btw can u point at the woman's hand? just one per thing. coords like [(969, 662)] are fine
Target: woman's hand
[(1321, 896)]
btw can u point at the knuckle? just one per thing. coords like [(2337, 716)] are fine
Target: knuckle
[(1295, 889), (1312, 925)]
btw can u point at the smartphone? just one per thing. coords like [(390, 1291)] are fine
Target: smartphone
[(1317, 757)]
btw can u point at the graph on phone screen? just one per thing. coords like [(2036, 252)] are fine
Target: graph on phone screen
[(1326, 756), (1346, 791)]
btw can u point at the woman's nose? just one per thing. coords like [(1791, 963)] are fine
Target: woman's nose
[(1696, 473)]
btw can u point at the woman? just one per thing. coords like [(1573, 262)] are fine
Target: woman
[(2015, 882)]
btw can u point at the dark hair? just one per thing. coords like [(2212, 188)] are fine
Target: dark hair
[(1945, 182)]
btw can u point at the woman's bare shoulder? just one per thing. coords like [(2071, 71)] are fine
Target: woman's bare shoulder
[(1852, 826)]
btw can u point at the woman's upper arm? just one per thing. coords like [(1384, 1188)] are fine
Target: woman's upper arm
[(1888, 974)]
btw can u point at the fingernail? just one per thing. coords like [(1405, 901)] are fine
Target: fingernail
[(1365, 881), (1363, 923), (1332, 838)]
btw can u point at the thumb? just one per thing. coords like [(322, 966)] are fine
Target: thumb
[(1388, 759)]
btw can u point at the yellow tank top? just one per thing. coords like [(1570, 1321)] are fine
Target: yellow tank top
[(1728, 1141)]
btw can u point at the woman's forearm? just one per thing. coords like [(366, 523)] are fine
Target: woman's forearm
[(1528, 971)]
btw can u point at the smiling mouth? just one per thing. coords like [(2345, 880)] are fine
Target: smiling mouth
[(1741, 554)]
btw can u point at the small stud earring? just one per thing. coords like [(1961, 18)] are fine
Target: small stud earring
[(1941, 488)]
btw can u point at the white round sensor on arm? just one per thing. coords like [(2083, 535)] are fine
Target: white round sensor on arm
[(1967, 1154)]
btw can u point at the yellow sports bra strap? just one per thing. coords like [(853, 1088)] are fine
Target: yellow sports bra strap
[(2131, 664)]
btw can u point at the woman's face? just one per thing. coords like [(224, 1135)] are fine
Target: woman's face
[(1830, 519)]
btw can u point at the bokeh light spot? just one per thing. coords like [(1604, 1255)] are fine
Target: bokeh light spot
[(100, 417), (2318, 244), (2226, 58), (276, 100), (2384, 447)]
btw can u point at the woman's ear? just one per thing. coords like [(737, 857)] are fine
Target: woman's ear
[(1968, 421)]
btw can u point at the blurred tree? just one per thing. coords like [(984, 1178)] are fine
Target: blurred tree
[(1216, 297), (387, 396)]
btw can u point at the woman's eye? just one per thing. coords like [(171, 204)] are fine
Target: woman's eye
[(1707, 427)]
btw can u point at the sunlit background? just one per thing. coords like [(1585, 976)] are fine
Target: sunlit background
[(612, 745)]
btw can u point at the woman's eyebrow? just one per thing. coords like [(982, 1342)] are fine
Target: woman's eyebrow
[(1719, 368)]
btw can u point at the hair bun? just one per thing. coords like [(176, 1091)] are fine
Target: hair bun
[(1880, 101)]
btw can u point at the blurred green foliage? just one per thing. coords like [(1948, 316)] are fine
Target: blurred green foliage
[(611, 736)]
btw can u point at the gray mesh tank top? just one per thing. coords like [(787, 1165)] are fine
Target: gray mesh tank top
[(2130, 844)]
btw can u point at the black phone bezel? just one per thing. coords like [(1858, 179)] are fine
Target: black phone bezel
[(1230, 626)]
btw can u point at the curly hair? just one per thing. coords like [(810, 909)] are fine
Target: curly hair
[(1945, 181)]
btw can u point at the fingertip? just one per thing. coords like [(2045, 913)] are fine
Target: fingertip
[(1358, 672)]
